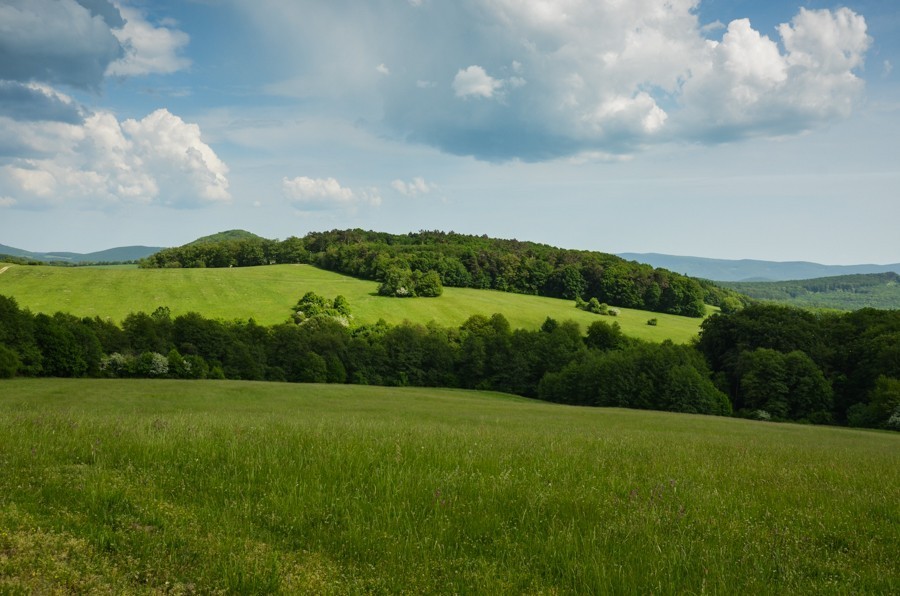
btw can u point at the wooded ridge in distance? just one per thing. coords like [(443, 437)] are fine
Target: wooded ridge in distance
[(465, 261), (845, 292)]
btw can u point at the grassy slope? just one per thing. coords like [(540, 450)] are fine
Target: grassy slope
[(267, 293), (135, 486)]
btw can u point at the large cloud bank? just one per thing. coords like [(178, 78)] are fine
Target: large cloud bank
[(54, 150), (541, 79)]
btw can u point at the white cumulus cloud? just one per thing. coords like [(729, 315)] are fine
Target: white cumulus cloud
[(474, 81), (158, 159), (325, 193), (175, 152), (638, 115), (148, 49), (745, 85), (417, 186), (830, 42)]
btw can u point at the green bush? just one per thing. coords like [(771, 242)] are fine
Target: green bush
[(884, 399), (405, 283), (429, 285), (893, 422), (398, 283), (314, 305)]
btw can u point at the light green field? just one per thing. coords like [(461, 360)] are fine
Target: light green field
[(199, 487), (267, 293)]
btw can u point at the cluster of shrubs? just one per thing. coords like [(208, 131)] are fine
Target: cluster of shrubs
[(155, 365), (595, 306), (312, 305), (406, 283)]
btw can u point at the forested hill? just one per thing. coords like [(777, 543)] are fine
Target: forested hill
[(227, 236), (466, 261), (844, 292)]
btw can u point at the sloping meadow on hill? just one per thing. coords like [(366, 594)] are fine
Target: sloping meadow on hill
[(266, 295), (467, 262)]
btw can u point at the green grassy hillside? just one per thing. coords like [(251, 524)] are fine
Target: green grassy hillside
[(199, 487), (267, 294)]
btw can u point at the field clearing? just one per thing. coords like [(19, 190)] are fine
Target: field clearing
[(171, 486), (266, 294)]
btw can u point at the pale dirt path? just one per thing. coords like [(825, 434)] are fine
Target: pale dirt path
[(2, 271)]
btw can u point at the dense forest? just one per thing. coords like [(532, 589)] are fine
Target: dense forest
[(766, 362), (843, 292), (779, 358), (466, 261)]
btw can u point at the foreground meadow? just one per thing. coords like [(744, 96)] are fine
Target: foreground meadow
[(267, 294), (181, 487)]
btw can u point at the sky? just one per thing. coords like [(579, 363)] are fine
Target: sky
[(728, 129)]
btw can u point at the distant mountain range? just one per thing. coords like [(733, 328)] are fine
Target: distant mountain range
[(111, 255), (752, 270)]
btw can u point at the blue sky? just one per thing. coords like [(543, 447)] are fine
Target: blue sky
[(719, 128)]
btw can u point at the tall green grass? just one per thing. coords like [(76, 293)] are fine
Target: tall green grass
[(267, 294), (168, 486)]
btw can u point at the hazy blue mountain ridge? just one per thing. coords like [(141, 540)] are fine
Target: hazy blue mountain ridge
[(118, 254), (752, 270)]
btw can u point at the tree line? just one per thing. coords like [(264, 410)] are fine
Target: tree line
[(319, 344), (459, 260), (765, 362)]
